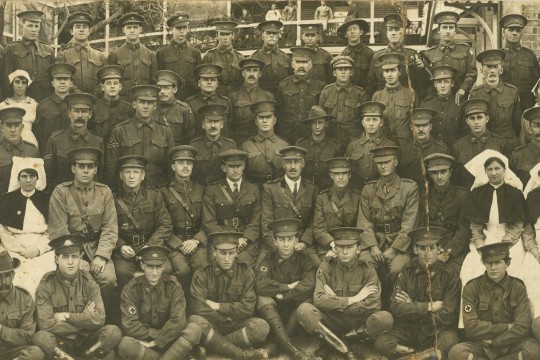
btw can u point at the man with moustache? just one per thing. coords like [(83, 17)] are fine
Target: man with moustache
[(183, 198), (320, 147), (77, 135), (142, 217), (496, 331), (179, 56), (425, 309), (52, 113), (139, 62), (31, 55), (353, 29), (234, 204), (227, 57), (109, 110), (336, 206), (290, 197), (447, 126), (143, 135), (207, 170), (223, 303), (17, 330), (297, 94), (70, 310), (12, 143), (242, 126), (504, 103), (310, 34), (525, 157), (359, 150), (177, 114)]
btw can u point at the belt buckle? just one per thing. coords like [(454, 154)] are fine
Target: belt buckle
[(235, 222), (188, 232), (387, 228), (136, 240)]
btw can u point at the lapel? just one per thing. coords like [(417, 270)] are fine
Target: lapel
[(346, 198), (301, 190)]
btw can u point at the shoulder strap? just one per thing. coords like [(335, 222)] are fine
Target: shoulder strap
[(128, 214), (269, 161), (183, 203), (335, 208), (291, 202), (83, 213), (224, 190)]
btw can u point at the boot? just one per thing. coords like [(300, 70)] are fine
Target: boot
[(60, 354), (358, 335), (352, 356), (270, 314), (255, 354), (197, 353), (327, 335), (217, 343), (292, 323), (178, 350), (95, 352)]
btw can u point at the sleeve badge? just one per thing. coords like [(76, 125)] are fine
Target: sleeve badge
[(132, 310), (264, 268), (468, 308)]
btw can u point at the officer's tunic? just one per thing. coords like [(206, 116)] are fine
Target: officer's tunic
[(316, 169), (207, 169)]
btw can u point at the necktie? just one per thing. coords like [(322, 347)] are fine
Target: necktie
[(295, 191), (235, 190)]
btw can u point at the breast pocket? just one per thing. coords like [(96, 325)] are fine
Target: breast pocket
[(59, 303), (159, 148), (459, 61), (524, 68), (131, 145)]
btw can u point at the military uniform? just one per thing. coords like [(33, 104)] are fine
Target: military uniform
[(242, 125), (362, 56), (87, 62), (229, 59), (277, 67), (7, 152), (51, 116), (525, 157), (152, 139), (414, 324), (57, 163), (316, 169), (153, 227), (343, 104), (240, 212), (264, 163), (180, 119), (155, 313), (399, 102), (447, 126), (196, 102), (411, 159), (107, 114), (207, 168)]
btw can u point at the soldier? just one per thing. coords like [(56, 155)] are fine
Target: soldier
[(77, 135), (142, 135), (264, 164), (183, 198), (525, 157), (520, 64), (398, 99), (31, 55), (154, 313), (208, 167), (413, 73), (359, 150), (85, 207), (277, 63), (335, 207), (322, 59), (290, 197), (323, 12), (177, 114), (80, 54), (70, 310), (142, 217), (226, 57), (425, 309), (342, 100), (344, 305), (476, 113), (109, 110), (12, 144), (242, 126), (179, 56), (320, 147), (412, 158), (445, 204), (139, 62), (504, 104), (52, 113), (447, 127), (496, 332), (223, 301), (458, 55), (234, 204), (388, 212), (285, 279), (18, 329), (353, 29), (297, 94), (207, 82)]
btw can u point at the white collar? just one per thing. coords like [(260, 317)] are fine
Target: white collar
[(290, 183), (231, 184), (28, 194)]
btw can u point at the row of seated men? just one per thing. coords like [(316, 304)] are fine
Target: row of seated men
[(114, 228)]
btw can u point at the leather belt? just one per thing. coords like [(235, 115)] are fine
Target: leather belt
[(188, 232), (388, 228), (234, 222)]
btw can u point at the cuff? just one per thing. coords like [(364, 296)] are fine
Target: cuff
[(153, 333)]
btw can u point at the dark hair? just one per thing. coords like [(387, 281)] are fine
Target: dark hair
[(29, 171), (494, 159)]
